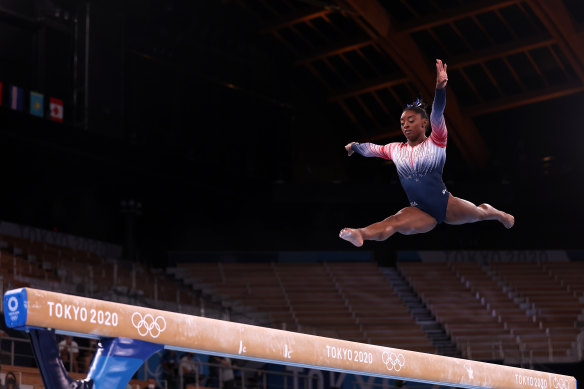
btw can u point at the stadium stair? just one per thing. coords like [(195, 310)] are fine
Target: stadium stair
[(423, 316)]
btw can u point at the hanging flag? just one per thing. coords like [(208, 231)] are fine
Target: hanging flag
[(37, 106), (16, 98), (56, 107)]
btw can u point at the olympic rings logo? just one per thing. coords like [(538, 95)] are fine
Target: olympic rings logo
[(393, 361), (148, 325), (560, 383)]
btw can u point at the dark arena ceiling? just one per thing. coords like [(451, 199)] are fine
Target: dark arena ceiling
[(372, 56)]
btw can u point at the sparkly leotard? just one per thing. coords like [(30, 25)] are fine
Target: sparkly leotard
[(420, 167)]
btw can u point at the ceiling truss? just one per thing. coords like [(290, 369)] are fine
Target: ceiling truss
[(372, 57)]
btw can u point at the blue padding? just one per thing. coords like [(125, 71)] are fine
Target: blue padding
[(46, 352), (117, 359), (15, 308)]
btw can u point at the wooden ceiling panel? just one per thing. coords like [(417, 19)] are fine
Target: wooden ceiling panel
[(298, 16), (564, 62), (347, 73), (495, 27), (525, 98), (308, 77), (349, 114), (500, 51), (330, 78), (483, 82), (423, 7), (374, 56), (260, 8), (473, 34), (292, 39), (526, 8), (451, 40), (468, 9), (406, 94), (399, 10), (283, 6), (313, 37), (382, 62), (356, 108), (326, 28), (370, 115), (526, 71), (428, 44), (335, 49), (368, 86), (519, 21), (389, 101), (474, 87), (462, 89), (569, 37), (446, 5), (576, 10), (341, 115), (503, 75), (361, 65), (346, 24), (547, 64), (379, 113)]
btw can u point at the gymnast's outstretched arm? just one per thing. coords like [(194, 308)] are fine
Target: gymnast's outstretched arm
[(369, 150), (439, 132)]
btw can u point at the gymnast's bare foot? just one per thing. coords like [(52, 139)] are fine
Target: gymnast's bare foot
[(507, 220), (351, 235)]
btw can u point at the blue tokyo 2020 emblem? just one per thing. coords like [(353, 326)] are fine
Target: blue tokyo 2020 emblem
[(15, 308), (12, 304)]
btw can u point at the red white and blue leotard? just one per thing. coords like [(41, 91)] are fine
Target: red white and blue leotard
[(420, 167)]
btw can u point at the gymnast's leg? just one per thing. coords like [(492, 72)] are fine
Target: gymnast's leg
[(407, 221), (460, 211)]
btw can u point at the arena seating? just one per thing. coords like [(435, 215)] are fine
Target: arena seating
[(466, 319), (569, 274), (31, 377), (352, 301), (377, 308), (50, 267), (516, 312), (553, 307)]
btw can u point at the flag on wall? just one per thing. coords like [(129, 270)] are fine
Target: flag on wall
[(56, 107), (16, 98), (37, 106)]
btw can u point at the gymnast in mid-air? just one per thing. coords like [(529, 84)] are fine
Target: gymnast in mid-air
[(420, 161)]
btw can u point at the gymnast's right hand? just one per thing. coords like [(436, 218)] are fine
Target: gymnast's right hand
[(348, 148)]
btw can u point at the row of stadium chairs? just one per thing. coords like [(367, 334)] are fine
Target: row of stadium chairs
[(50, 267), (351, 301), (503, 311)]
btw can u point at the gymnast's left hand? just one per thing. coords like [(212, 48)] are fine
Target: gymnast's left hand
[(441, 75), (348, 148)]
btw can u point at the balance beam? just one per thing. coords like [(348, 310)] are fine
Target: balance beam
[(28, 308)]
